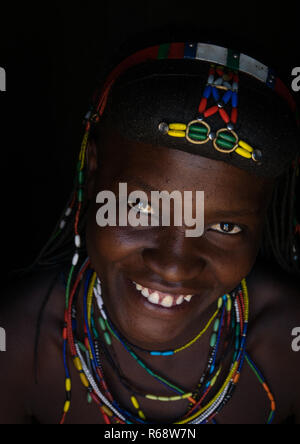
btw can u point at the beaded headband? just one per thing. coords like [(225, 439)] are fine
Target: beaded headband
[(222, 87)]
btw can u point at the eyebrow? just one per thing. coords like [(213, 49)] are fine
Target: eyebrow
[(235, 213), (137, 182)]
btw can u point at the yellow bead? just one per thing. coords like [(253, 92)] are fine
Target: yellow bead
[(135, 403), (68, 385), (213, 381), (175, 398), (141, 415), (220, 303), (84, 381), (77, 364), (154, 398), (163, 398), (176, 133), (107, 410), (246, 147), (229, 305), (177, 126), (243, 153), (67, 406), (187, 395)]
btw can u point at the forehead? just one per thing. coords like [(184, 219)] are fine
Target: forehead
[(158, 168)]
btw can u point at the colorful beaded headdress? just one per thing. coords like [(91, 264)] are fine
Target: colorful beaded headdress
[(196, 129)]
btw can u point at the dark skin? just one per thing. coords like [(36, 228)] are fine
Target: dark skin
[(161, 258)]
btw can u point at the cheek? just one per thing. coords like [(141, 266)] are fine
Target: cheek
[(230, 260), (108, 245)]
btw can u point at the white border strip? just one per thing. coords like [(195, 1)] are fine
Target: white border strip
[(219, 55)]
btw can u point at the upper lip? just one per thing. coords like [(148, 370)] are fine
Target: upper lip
[(155, 287)]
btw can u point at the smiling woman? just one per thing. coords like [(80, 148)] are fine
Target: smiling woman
[(159, 327)]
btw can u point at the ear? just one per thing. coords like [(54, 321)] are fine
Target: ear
[(92, 166)]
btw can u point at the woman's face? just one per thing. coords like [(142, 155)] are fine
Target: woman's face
[(162, 258)]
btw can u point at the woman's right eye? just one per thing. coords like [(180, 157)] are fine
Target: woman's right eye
[(226, 228)]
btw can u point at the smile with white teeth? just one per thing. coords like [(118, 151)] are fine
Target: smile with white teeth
[(163, 299)]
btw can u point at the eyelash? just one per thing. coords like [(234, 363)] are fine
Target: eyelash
[(226, 232)]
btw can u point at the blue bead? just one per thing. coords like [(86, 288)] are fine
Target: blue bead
[(271, 80), (190, 50), (227, 97), (216, 94), (207, 92), (168, 353), (234, 100)]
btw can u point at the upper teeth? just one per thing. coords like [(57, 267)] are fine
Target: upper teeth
[(159, 298)]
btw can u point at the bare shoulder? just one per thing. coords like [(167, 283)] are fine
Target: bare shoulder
[(274, 293), (274, 297), (31, 311)]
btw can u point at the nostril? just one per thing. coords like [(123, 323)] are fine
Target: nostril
[(172, 268)]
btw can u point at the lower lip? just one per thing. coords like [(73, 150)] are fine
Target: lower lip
[(139, 298)]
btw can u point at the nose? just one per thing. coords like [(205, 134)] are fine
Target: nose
[(175, 258)]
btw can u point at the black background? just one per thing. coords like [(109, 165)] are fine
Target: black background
[(52, 54)]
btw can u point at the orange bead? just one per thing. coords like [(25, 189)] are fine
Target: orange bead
[(273, 406), (266, 387), (236, 379)]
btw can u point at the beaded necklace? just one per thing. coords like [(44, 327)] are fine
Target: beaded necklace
[(232, 318)]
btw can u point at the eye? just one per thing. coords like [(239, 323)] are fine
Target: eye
[(141, 207), (226, 228)]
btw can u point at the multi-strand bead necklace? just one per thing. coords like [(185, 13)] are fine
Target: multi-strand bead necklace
[(230, 322)]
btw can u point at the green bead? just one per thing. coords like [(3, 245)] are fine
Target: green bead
[(107, 338), (233, 60), (102, 324), (237, 330), (95, 333), (89, 398), (213, 340), (223, 144), (79, 166), (216, 325), (80, 195), (198, 129), (80, 177), (196, 136), (227, 137), (142, 364), (163, 51), (82, 347)]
